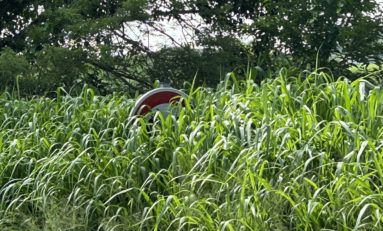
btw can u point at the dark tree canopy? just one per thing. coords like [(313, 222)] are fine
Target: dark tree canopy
[(65, 42), (67, 39), (341, 31)]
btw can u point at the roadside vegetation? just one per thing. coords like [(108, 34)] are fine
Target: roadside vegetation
[(300, 152), (293, 143)]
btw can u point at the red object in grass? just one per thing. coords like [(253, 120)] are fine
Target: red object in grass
[(157, 100)]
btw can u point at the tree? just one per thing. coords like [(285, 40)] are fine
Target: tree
[(338, 32), (207, 66), (67, 39), (65, 42)]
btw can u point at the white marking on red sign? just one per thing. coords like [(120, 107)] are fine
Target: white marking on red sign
[(158, 99)]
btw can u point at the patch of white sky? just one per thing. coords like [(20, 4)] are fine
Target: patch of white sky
[(158, 34)]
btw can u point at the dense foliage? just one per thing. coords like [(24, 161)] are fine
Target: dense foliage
[(65, 42), (50, 44), (340, 32), (295, 153)]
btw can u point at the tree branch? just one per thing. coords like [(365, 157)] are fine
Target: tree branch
[(121, 75)]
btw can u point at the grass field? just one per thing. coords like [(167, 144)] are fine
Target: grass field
[(291, 154)]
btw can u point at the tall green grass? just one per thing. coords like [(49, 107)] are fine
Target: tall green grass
[(292, 154)]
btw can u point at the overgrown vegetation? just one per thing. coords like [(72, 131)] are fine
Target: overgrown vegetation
[(295, 153), (109, 44)]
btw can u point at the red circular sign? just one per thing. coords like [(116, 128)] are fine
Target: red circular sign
[(156, 100)]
